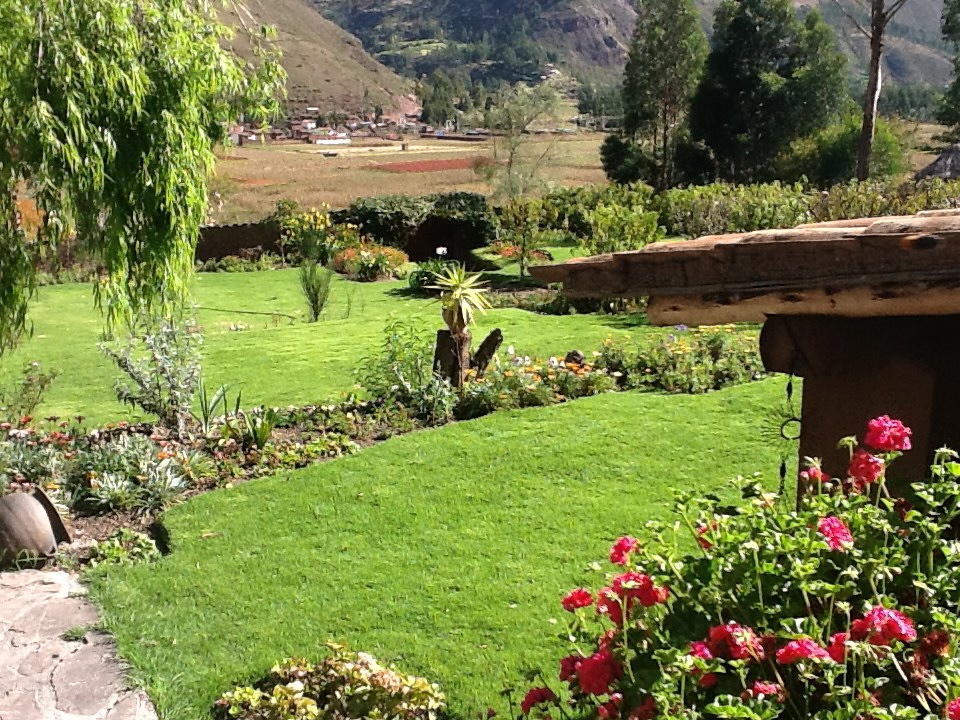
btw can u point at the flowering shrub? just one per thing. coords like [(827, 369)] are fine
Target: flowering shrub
[(841, 608), (524, 382), (92, 472), (342, 686), (688, 361), (369, 262), (21, 397)]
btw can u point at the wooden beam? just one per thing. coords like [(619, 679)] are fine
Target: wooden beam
[(860, 302)]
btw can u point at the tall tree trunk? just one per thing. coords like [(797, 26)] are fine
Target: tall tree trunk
[(872, 95)]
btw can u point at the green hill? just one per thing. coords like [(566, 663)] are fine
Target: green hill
[(506, 39), (327, 66)]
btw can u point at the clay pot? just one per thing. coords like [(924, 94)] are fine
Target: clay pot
[(30, 529)]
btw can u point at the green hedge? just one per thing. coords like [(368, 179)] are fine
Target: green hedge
[(724, 208), (459, 222)]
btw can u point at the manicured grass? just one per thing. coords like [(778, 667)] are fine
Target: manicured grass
[(445, 551), (272, 359)]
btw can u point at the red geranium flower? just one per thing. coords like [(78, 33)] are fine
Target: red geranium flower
[(647, 710), (634, 585), (536, 696), (953, 709), (803, 648), (608, 710), (735, 642), (597, 672), (864, 468), (763, 689), (887, 435), (610, 604), (881, 626), (577, 598), (701, 650), (836, 532), (837, 649), (620, 552), (568, 667)]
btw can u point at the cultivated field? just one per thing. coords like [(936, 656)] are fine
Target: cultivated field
[(250, 180)]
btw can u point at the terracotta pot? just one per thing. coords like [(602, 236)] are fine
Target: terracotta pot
[(30, 529)]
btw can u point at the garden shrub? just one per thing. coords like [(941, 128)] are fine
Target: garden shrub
[(568, 209), (89, 473), (459, 221), (369, 262), (308, 234), (20, 398), (401, 373), (124, 547), (162, 370), (425, 273), (524, 382), (238, 264), (616, 228), (725, 208), (686, 361), (873, 198), (842, 606), (341, 686), (829, 156)]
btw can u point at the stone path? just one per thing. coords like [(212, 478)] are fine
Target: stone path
[(44, 676)]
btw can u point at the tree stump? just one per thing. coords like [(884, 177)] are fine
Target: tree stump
[(451, 359), (488, 348)]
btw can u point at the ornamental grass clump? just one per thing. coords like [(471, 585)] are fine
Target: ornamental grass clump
[(342, 686), (840, 607)]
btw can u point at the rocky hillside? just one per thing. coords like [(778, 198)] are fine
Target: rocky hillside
[(327, 66), (585, 36)]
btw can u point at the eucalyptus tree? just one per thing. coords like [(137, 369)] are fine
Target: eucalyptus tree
[(110, 111)]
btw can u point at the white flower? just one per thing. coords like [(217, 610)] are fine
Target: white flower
[(511, 350), (441, 251)]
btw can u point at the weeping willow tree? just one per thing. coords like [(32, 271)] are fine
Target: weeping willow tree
[(110, 111)]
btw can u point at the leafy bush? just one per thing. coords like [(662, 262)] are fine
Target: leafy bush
[(426, 273), (524, 382), (126, 473), (459, 221), (686, 361), (21, 398), (724, 208), (552, 301), (342, 686), (830, 156), (875, 197), (402, 373), (237, 264), (309, 234), (124, 547), (162, 368), (615, 228), (568, 209), (369, 262), (841, 606)]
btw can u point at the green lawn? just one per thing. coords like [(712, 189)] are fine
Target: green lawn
[(274, 361), (445, 551)]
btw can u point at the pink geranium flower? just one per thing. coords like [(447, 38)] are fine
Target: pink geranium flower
[(620, 552), (881, 626), (865, 469), (803, 648), (835, 532), (887, 435), (764, 689)]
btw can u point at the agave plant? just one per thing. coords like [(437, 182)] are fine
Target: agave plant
[(461, 295)]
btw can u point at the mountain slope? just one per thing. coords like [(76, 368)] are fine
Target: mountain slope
[(590, 37), (326, 66)]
